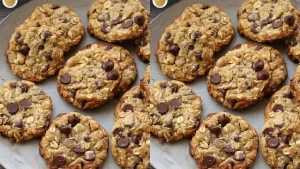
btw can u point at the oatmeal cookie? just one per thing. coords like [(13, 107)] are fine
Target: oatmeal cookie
[(175, 110), (267, 20), (224, 141), (144, 83), (117, 20), (292, 45), (74, 141), (25, 111), (295, 84), (143, 46)]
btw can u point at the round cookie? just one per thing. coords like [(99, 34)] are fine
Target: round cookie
[(185, 53), (96, 74), (240, 78), (64, 19), (130, 142), (267, 20), (117, 20), (282, 101), (35, 52), (224, 141), (143, 46), (279, 141), (74, 141), (214, 19), (175, 110), (25, 111), (295, 83)]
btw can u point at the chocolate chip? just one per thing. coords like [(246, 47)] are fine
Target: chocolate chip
[(237, 138), (266, 21), (215, 78), (255, 29), (239, 155), (24, 49), (286, 138), (290, 20), (47, 35), (41, 47), (252, 17), (175, 103), (143, 41), (228, 149), (59, 160), (14, 85), (78, 149), (291, 41), (268, 131), (223, 120), (169, 124), (25, 103), (46, 68), (209, 160), (196, 68), (86, 138), (104, 28), (65, 78), (198, 56), (277, 108), (89, 155), (258, 66), (174, 49), (289, 95), (73, 120), (48, 56), (123, 142), (168, 35), (188, 24), (19, 124), (191, 47), (24, 88), (262, 75), (127, 108), (116, 21), (127, 23), (13, 108), (277, 23), (18, 35), (108, 46), (118, 131), (139, 95), (174, 88), (162, 108), (197, 34), (112, 75), (258, 46), (65, 130), (215, 130), (107, 66), (55, 7), (38, 24), (163, 85), (273, 142), (82, 102), (140, 20), (135, 138)]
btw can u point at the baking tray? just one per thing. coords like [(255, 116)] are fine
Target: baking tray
[(176, 155), (26, 155)]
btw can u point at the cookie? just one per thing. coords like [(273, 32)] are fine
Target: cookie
[(214, 19), (224, 141), (292, 45), (64, 19), (267, 20), (282, 101), (185, 53), (74, 141), (295, 84), (175, 110), (144, 83), (117, 20), (130, 142), (240, 78), (35, 53), (25, 111), (143, 46), (279, 141), (96, 74)]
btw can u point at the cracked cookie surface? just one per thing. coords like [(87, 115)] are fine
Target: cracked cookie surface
[(240, 78), (117, 20), (74, 141), (25, 111), (130, 142), (292, 45), (267, 20), (143, 46), (224, 141), (175, 110), (280, 141), (185, 53)]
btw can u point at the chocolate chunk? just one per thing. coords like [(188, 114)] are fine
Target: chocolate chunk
[(127, 23), (273, 142), (46, 68), (86, 138), (41, 47), (139, 95), (209, 160), (107, 66), (258, 66), (59, 160), (82, 102), (174, 88), (24, 49), (291, 41), (205, 6), (112, 75), (277, 108), (19, 124), (65, 78), (18, 35), (215, 130), (188, 24), (252, 17), (223, 120), (191, 47), (55, 7), (197, 35), (239, 155), (198, 56), (162, 108), (196, 68), (277, 23), (89, 155), (48, 56), (118, 131), (127, 108), (108, 46), (255, 29), (169, 124), (25, 103), (73, 120), (14, 85), (289, 95), (135, 138), (231, 102), (78, 149), (13, 108), (65, 130), (163, 85), (116, 21), (237, 139), (228, 149), (174, 49), (168, 35), (104, 28), (143, 41), (215, 78), (286, 138), (262, 75), (290, 20), (47, 35), (175, 103), (266, 21), (140, 20), (258, 46), (24, 88), (123, 142), (268, 131)]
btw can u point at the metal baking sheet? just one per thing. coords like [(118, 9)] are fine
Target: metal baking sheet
[(26, 155), (176, 155)]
